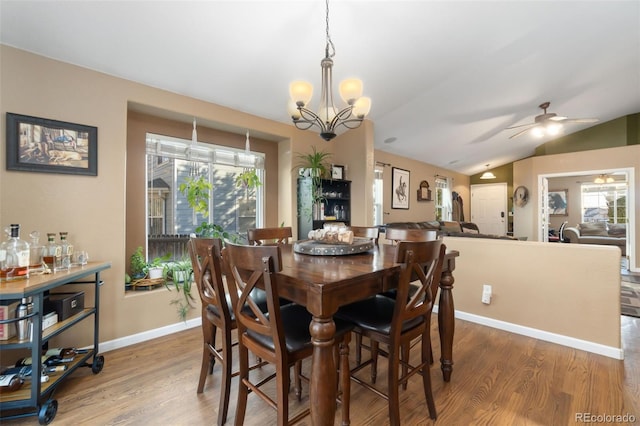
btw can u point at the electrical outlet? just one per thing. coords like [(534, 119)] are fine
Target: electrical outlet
[(486, 294)]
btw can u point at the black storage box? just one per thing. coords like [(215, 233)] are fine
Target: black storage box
[(65, 304)]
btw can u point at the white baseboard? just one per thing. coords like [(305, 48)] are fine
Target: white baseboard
[(546, 336), (584, 345), (148, 335)]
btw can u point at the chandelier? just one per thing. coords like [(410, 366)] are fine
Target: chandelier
[(327, 119), (604, 179)]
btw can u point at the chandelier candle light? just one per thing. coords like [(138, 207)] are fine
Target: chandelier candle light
[(328, 118)]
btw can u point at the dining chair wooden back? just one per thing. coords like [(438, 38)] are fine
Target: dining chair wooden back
[(371, 232), (279, 336), (217, 315), (269, 236), (397, 322), (402, 234)]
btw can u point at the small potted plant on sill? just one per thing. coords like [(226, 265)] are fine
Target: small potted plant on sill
[(155, 268), (137, 264)]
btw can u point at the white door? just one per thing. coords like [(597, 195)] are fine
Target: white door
[(489, 208)]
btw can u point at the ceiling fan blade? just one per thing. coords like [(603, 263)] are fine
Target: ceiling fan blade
[(520, 125), (558, 118), (521, 132), (581, 120)]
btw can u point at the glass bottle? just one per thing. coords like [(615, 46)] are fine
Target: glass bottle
[(14, 256), (36, 252), (67, 251), (52, 252)]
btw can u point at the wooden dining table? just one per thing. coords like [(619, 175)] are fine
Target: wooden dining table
[(324, 283)]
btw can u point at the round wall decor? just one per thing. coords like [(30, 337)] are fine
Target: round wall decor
[(521, 196)]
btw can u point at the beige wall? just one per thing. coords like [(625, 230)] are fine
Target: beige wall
[(527, 172), (418, 210), (570, 290), (94, 209)]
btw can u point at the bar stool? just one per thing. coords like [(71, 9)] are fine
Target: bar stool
[(396, 322), (280, 336)]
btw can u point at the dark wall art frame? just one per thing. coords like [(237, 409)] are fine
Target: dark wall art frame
[(49, 146), (558, 202), (400, 188)]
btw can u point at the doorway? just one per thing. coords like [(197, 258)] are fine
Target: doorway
[(576, 212), (489, 208)]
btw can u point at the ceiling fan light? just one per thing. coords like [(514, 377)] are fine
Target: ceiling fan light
[(301, 92), (599, 179), (553, 129), (350, 90), (537, 131), (610, 179)]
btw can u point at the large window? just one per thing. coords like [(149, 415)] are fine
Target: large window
[(443, 199), (377, 197), (170, 219), (604, 203)]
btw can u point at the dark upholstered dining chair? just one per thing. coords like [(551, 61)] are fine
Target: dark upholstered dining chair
[(217, 315), (269, 236), (280, 335), (396, 322)]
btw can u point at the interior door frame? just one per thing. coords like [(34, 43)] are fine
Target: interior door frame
[(504, 206), (543, 206)]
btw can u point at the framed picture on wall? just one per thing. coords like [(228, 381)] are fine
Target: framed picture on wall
[(558, 202), (41, 145), (399, 188)]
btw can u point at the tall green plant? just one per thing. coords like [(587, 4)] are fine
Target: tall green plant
[(316, 161), (318, 165)]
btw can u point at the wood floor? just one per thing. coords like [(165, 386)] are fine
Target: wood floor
[(499, 378)]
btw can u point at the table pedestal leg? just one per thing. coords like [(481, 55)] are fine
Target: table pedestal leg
[(446, 323), (322, 392)]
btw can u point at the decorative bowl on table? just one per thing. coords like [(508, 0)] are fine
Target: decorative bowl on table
[(336, 248)]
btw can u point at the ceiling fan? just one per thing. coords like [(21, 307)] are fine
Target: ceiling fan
[(547, 123)]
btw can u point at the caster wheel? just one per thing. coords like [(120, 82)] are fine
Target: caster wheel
[(97, 365), (47, 412)]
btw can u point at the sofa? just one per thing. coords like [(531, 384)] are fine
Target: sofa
[(602, 233), (446, 228)]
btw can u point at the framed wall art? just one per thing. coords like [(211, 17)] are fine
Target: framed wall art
[(337, 172), (400, 188), (424, 193), (41, 145), (558, 202)]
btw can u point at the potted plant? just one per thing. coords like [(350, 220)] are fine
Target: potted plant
[(137, 264), (154, 269), (317, 167), (248, 179), (197, 193), (315, 163), (180, 274)]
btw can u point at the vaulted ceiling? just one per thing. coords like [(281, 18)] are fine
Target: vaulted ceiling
[(445, 77)]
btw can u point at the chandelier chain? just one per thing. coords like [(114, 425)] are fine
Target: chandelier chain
[(329, 41)]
